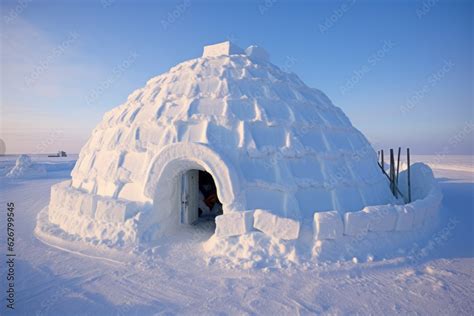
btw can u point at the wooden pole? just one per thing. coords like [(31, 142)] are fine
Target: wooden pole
[(390, 170), (382, 162), (392, 173), (398, 163), (408, 175)]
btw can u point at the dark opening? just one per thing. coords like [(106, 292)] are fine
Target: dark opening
[(209, 205)]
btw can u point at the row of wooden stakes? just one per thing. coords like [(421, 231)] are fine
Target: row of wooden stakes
[(395, 171)]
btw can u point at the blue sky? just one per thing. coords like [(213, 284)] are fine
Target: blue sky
[(402, 71)]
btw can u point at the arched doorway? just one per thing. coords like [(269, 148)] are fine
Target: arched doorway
[(199, 200), (164, 183)]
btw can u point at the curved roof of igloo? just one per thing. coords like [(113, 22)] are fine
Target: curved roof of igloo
[(295, 151)]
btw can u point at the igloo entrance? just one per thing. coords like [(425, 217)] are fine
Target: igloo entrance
[(199, 201), (176, 170)]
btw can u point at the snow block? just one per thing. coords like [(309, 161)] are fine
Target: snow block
[(224, 48), (427, 198), (423, 181), (88, 204), (356, 223), (114, 211), (405, 218), (71, 200), (132, 192), (88, 186), (432, 205), (58, 194), (382, 218), (257, 53), (76, 183), (419, 213), (234, 224), (275, 226), (327, 225)]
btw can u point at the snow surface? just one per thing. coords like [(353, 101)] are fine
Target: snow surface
[(431, 277)]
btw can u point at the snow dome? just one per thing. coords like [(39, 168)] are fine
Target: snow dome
[(261, 137)]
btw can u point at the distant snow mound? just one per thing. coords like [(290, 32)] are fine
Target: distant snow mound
[(24, 167)]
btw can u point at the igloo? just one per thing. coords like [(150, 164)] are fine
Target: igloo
[(277, 151)]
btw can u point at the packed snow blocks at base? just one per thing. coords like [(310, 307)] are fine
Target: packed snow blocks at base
[(282, 158)]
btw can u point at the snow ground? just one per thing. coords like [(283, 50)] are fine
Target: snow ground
[(177, 278)]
